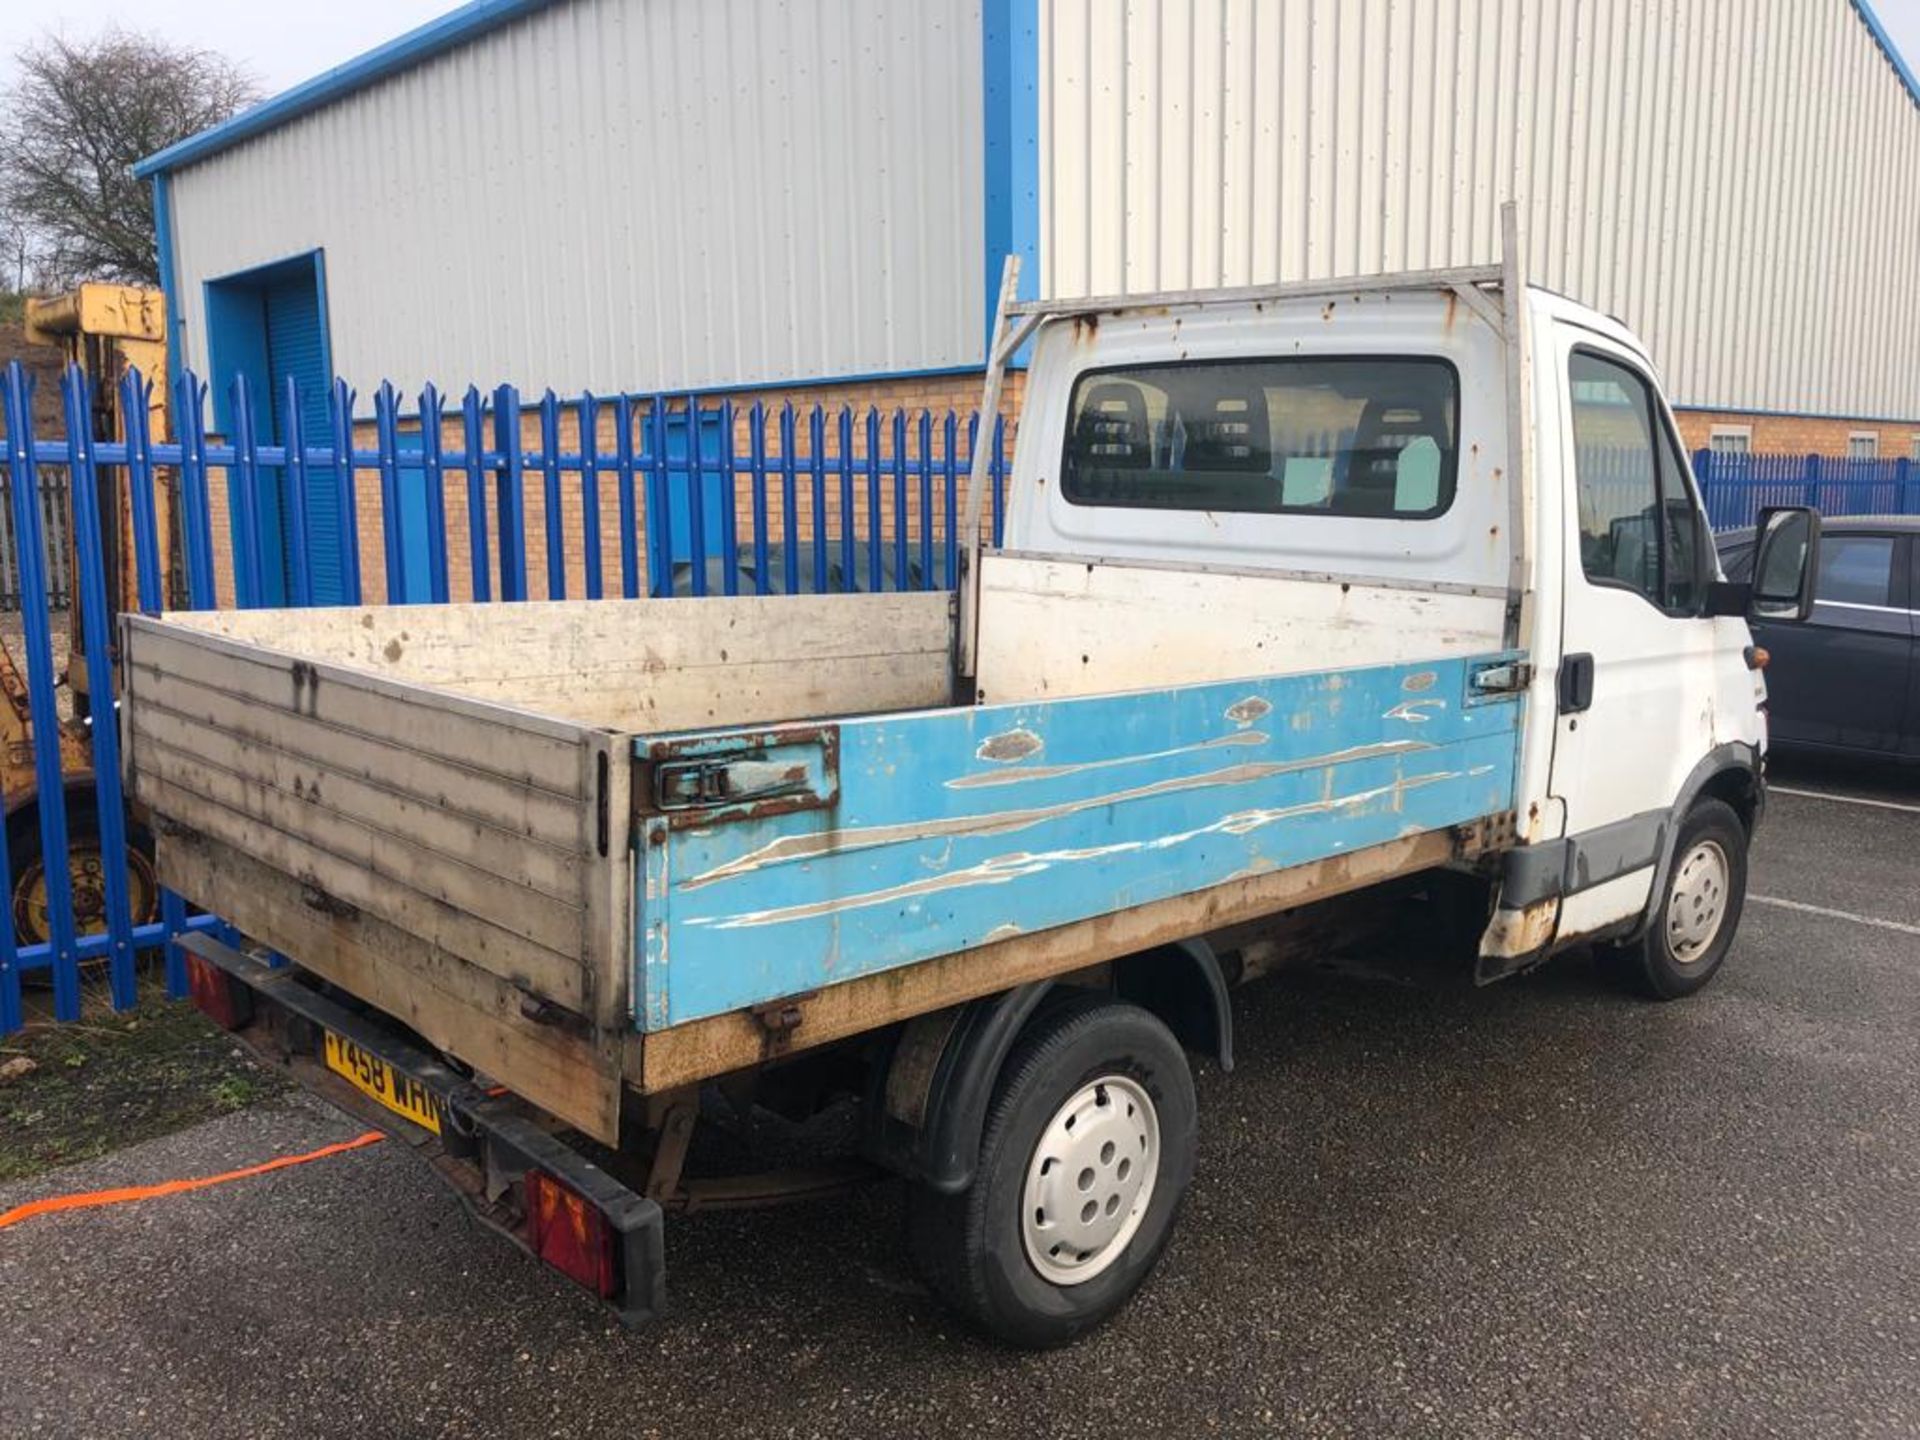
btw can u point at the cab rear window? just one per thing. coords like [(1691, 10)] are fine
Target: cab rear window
[(1342, 436)]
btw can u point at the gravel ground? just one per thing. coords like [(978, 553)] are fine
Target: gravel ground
[(1543, 1208)]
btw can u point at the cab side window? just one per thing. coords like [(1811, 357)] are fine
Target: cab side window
[(1639, 526), (1855, 570)]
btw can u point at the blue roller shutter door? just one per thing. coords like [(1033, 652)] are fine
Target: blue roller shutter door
[(296, 349)]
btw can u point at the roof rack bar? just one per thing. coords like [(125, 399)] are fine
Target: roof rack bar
[(1395, 282)]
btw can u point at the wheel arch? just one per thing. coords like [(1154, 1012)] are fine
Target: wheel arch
[(928, 1109), (1730, 773)]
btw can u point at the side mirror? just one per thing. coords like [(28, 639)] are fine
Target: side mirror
[(1786, 560)]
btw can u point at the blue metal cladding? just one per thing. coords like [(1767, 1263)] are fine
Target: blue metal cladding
[(1010, 91), (943, 830)]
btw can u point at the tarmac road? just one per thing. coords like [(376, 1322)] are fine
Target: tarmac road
[(1540, 1209)]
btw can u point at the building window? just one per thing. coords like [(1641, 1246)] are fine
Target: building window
[(1731, 440), (1915, 451), (1863, 445)]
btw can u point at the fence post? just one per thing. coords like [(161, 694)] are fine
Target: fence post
[(950, 496), (926, 500), (190, 400), (243, 486), (346, 501), (97, 631), (999, 479), (789, 502), (729, 499), (817, 473), (900, 501), (1903, 484), (551, 503), (513, 495), (659, 516), (590, 493), (874, 535), (696, 500), (476, 443), (630, 581), (386, 421), (433, 470), (757, 465), (30, 544), (136, 398), (847, 535), (1810, 475), (298, 558)]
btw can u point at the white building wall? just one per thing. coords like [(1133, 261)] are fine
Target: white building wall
[(1739, 180), (628, 194)]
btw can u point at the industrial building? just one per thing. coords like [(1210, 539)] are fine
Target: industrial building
[(813, 196)]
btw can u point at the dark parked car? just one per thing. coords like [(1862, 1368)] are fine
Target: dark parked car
[(1847, 678)]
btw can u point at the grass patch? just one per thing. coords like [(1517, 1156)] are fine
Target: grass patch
[(112, 1080)]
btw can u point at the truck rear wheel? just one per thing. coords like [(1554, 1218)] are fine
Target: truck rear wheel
[(1694, 921), (1086, 1155)]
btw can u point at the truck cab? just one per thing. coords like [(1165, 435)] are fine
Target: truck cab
[(1365, 462)]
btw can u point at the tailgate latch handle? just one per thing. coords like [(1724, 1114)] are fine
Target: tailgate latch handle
[(700, 784), (1503, 677)]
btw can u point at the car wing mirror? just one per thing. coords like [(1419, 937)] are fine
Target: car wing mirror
[(1786, 559)]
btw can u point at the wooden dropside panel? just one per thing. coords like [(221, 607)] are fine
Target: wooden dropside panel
[(1052, 628), (474, 829), (946, 830), (639, 665), (567, 1071)]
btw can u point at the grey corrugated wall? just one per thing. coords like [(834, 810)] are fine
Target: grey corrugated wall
[(1739, 180), (628, 194)]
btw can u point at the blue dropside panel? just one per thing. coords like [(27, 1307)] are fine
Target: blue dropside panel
[(884, 841)]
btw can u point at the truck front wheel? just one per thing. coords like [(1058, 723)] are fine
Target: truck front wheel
[(1086, 1155), (1694, 920)]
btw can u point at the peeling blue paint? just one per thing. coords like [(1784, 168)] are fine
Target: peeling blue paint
[(933, 842)]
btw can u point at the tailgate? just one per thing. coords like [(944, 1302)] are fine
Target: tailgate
[(451, 861)]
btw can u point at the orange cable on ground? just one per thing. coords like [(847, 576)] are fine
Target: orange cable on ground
[(90, 1199)]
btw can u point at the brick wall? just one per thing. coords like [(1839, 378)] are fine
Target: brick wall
[(1797, 434)]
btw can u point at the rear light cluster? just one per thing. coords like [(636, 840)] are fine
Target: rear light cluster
[(217, 995), (569, 1233)]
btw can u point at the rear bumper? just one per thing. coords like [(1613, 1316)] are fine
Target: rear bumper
[(488, 1142)]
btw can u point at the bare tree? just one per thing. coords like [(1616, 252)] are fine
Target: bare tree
[(71, 128)]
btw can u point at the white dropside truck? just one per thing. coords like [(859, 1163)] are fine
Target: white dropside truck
[(1397, 585)]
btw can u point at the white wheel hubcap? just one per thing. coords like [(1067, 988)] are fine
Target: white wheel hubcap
[(1090, 1180), (1697, 903)]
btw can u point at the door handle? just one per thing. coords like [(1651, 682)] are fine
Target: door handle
[(1576, 683)]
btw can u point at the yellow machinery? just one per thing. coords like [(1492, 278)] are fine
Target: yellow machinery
[(106, 330)]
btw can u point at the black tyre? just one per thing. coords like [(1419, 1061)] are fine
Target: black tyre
[(1695, 920), (1086, 1156)]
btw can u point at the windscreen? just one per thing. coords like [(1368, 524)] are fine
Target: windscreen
[(1322, 436)]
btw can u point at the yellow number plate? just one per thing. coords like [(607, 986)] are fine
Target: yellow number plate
[(373, 1076)]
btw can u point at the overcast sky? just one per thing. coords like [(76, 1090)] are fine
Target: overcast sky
[(287, 41)]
